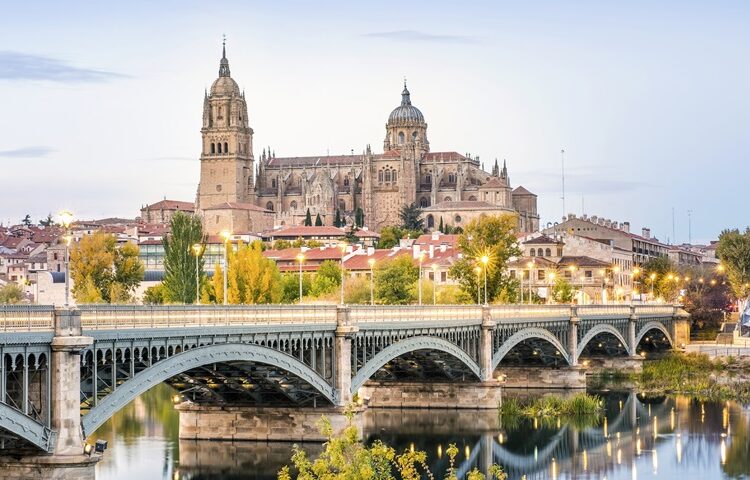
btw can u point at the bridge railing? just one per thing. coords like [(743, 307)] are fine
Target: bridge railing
[(106, 317), (528, 312), (655, 310), (26, 318), (603, 310), (414, 313)]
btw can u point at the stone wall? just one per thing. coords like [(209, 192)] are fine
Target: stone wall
[(257, 423), (536, 377), (431, 395)]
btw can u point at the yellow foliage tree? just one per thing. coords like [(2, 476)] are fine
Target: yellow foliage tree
[(251, 278)]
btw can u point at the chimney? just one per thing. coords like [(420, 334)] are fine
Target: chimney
[(432, 250), (443, 247), (370, 251), (646, 232), (435, 235), (626, 227)]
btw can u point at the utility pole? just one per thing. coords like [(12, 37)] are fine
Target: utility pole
[(674, 237), (562, 161), (690, 227)]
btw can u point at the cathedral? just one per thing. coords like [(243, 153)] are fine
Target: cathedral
[(234, 194)]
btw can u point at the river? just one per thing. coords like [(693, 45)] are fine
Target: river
[(637, 438)]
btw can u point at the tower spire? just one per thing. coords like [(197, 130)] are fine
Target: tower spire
[(405, 96), (224, 63)]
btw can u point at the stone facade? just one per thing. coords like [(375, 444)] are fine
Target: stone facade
[(448, 184)]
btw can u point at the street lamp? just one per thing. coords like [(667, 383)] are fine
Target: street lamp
[(552, 283), (478, 270), (371, 262), (653, 278), (66, 219), (485, 260), (421, 260), (530, 266), (300, 259), (197, 247), (226, 235), (342, 246)]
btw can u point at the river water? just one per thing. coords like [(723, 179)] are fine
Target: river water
[(637, 438)]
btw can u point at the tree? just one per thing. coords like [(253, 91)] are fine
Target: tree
[(395, 281), (318, 221), (155, 295), (359, 218), (102, 271), (47, 222), (563, 291), (251, 277), (308, 219), (27, 220), (492, 236), (290, 287), (411, 217), (326, 279), (665, 283), (11, 293), (441, 228), (337, 219), (734, 252), (180, 258), (390, 237)]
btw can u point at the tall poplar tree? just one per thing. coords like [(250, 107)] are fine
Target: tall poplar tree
[(180, 258)]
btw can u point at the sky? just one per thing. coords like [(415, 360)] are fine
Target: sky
[(101, 101)]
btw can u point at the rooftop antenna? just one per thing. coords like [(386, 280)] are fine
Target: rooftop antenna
[(583, 205), (690, 227), (674, 237), (562, 161)]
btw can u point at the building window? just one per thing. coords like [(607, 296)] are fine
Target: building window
[(346, 181), (394, 176), (532, 252), (472, 198), (424, 202), (342, 205), (443, 276), (447, 199), (428, 179), (457, 218), (380, 176), (430, 221), (512, 274), (451, 178), (293, 205), (273, 183), (213, 148), (547, 252), (226, 148), (218, 188), (588, 274), (400, 138), (269, 206), (387, 176), (218, 147), (541, 274)]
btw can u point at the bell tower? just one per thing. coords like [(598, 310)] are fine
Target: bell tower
[(227, 163)]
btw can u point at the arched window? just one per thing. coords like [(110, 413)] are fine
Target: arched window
[(218, 147), (380, 176), (532, 252), (269, 206), (273, 183), (451, 178), (428, 179), (293, 205), (400, 138), (447, 199), (424, 202), (226, 148), (547, 252), (472, 198), (414, 135), (213, 148), (387, 176), (346, 181), (430, 221), (393, 176)]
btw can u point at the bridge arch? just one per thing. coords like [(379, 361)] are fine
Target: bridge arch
[(599, 329), (197, 357), (526, 334), (652, 326), (409, 345)]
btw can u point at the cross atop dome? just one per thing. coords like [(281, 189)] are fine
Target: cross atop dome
[(224, 63)]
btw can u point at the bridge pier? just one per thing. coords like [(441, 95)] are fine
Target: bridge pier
[(573, 338), (485, 345), (681, 329), (342, 353)]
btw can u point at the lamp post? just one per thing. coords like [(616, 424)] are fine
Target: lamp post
[(343, 271), (226, 235), (421, 260), (434, 283), (485, 260), (530, 266), (371, 262), (551, 283), (197, 252), (478, 270), (300, 259), (652, 277), (66, 219)]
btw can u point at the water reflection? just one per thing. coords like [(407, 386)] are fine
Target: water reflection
[(637, 437)]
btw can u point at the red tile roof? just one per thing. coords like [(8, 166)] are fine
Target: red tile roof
[(302, 231), (311, 255), (172, 205), (237, 206), (361, 262), (442, 239), (521, 191)]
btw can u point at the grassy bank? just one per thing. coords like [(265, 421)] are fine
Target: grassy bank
[(580, 404)]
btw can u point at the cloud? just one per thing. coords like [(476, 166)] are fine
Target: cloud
[(416, 36), (22, 66), (27, 152)]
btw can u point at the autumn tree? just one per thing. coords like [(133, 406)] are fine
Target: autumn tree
[(251, 277), (734, 252), (563, 291), (11, 293), (102, 271), (492, 236), (180, 258)]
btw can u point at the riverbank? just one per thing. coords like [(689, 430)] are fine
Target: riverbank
[(690, 374)]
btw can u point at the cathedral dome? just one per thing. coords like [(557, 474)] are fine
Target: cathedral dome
[(406, 113)]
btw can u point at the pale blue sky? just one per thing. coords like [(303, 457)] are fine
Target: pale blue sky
[(102, 101)]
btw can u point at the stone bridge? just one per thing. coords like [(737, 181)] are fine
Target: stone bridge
[(64, 372)]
